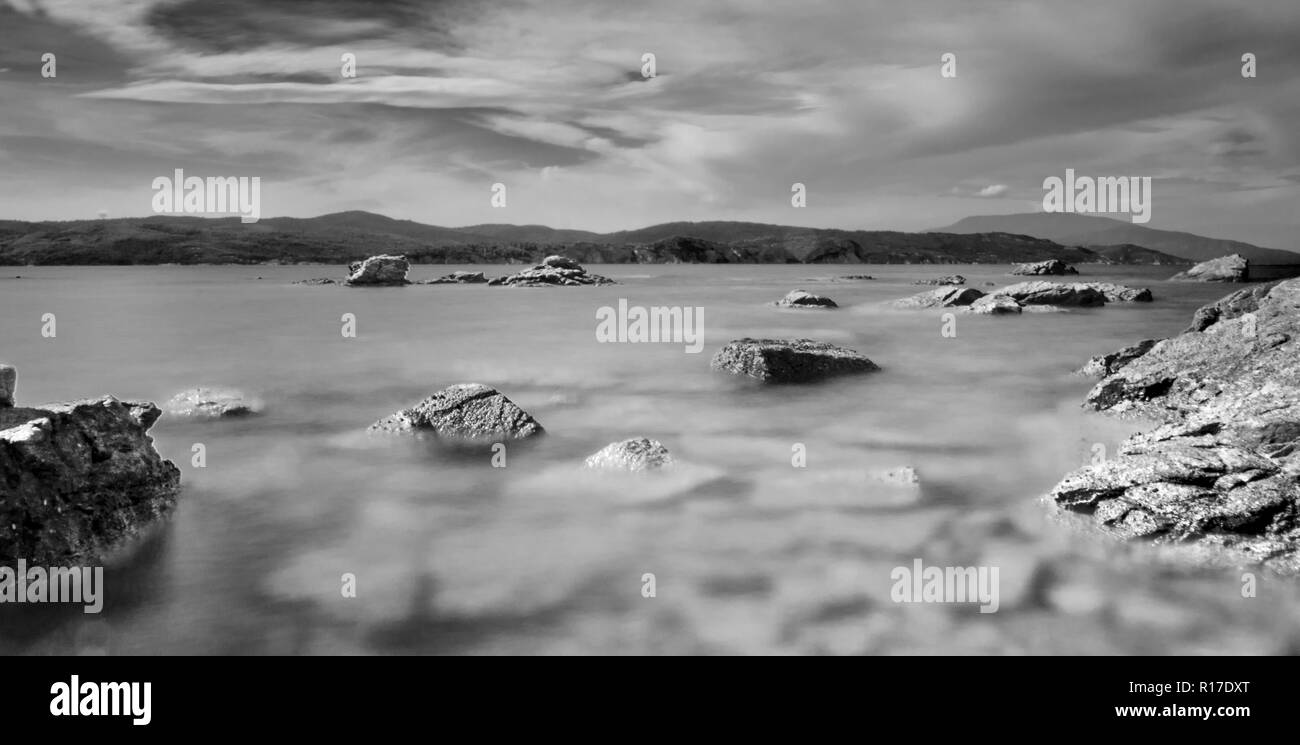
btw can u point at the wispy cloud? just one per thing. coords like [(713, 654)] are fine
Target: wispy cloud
[(548, 98)]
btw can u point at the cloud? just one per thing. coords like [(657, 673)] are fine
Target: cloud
[(547, 96)]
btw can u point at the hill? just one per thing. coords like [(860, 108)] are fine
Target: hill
[(1095, 230)]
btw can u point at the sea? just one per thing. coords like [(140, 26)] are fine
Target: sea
[(784, 527)]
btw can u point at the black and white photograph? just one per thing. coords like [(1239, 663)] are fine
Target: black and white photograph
[(341, 328)]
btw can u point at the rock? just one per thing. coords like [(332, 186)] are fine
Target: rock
[(789, 360), (1234, 268), (80, 479), (468, 411), (902, 476), (1054, 293), (457, 278), (636, 455), (1052, 267), (1120, 293), (1109, 364), (1235, 305), (1223, 470), (801, 299), (856, 276), (8, 383), (378, 271), (212, 403), (944, 297), (994, 305), (952, 279), (553, 271), (316, 281)]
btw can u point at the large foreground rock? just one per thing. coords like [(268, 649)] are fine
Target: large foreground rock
[(1234, 268), (635, 455), (789, 360), (1051, 267), (944, 297), (801, 299), (468, 411), (79, 479), (1054, 293), (1222, 472), (554, 271), (1235, 305), (378, 271)]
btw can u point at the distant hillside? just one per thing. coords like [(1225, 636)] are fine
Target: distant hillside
[(347, 236), (1094, 230)]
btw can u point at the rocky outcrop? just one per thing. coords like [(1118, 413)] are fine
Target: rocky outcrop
[(1221, 473), (1109, 364), (212, 403), (952, 279), (553, 271), (944, 297), (789, 360), (378, 271), (1234, 268), (79, 479), (1051, 267), (801, 299), (1054, 293), (316, 281), (636, 455), (1235, 305), (8, 382), (994, 305), (457, 278), (465, 411), (1121, 293)]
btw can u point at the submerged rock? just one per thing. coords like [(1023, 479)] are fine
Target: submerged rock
[(636, 455), (789, 360), (8, 382), (79, 479), (994, 305), (457, 278), (856, 276), (944, 297), (212, 403), (316, 281), (952, 279), (1054, 293), (1223, 471), (1234, 268), (1052, 267), (378, 271), (553, 271), (801, 299), (1109, 364), (466, 410)]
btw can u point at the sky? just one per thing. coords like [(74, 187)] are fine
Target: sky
[(548, 98)]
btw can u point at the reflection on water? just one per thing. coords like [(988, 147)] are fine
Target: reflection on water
[(750, 554)]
